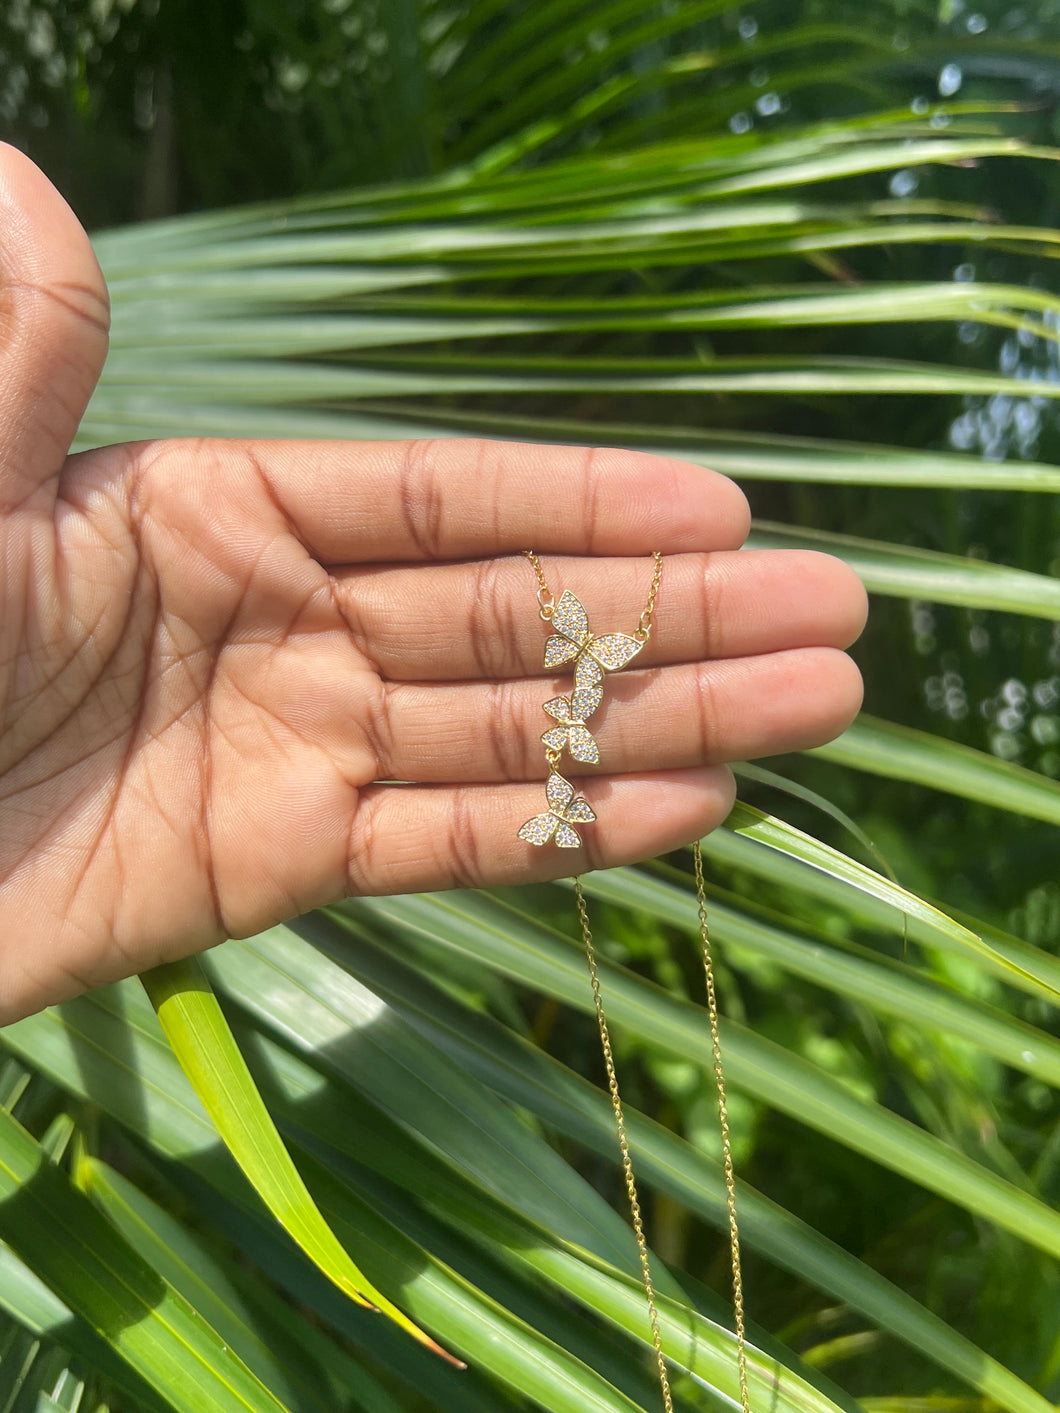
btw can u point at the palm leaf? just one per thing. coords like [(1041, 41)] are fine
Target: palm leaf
[(196, 1028)]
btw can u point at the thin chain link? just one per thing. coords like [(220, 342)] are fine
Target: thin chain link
[(648, 613), (623, 1143), (726, 1140), (547, 603)]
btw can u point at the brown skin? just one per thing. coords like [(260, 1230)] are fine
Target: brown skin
[(210, 650)]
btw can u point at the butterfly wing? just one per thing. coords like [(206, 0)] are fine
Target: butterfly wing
[(571, 631), (540, 829), (559, 708), (588, 687), (557, 738), (614, 650), (580, 811), (587, 673), (558, 651), (584, 701), (581, 745), (558, 792), (566, 837), (570, 618)]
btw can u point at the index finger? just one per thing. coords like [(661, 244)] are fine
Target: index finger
[(457, 498)]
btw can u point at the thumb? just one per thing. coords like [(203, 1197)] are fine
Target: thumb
[(53, 329)]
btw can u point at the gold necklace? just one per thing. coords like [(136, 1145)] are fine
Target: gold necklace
[(593, 657)]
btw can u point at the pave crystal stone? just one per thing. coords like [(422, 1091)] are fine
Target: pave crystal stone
[(584, 702), (572, 640), (569, 618), (615, 650), (558, 792), (556, 739), (558, 650), (587, 674), (574, 738), (539, 829), (582, 746), (559, 708), (564, 807)]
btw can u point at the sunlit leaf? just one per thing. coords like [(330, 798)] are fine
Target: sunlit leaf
[(84, 1262), (196, 1028)]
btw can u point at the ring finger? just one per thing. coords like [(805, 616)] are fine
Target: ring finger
[(660, 719)]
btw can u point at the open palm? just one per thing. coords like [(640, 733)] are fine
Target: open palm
[(216, 655)]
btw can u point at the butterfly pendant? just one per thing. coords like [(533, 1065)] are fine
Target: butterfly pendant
[(573, 639), (565, 809), (570, 712)]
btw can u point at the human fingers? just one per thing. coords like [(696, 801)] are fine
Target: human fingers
[(453, 498), (414, 838), (53, 320), (480, 620), (687, 715)]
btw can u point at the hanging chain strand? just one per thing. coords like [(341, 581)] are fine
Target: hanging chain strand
[(643, 632), (546, 605), (546, 602), (623, 1143), (726, 1141)]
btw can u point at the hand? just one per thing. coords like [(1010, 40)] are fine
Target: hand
[(209, 652)]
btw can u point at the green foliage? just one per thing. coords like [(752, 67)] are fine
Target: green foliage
[(812, 246)]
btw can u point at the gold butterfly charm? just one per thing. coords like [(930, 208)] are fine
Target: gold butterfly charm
[(573, 639), (571, 712), (565, 809)]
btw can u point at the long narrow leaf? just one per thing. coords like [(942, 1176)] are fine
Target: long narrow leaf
[(874, 983), (201, 1039), (910, 573), (29, 1302), (94, 1271), (1010, 960), (346, 1030), (310, 1371), (569, 1103), (904, 753), (515, 944), (488, 1334)]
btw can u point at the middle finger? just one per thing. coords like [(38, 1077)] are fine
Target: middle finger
[(479, 620)]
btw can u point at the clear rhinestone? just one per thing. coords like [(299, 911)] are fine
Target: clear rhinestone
[(559, 650), (539, 829), (615, 650), (559, 792), (581, 745), (569, 618), (559, 708)]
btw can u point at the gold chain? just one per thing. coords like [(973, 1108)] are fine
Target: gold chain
[(623, 1143), (546, 602), (546, 605), (648, 612), (726, 1141)]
